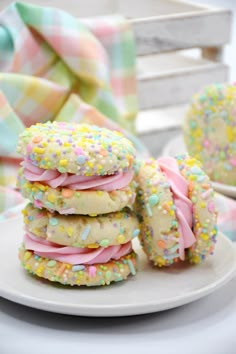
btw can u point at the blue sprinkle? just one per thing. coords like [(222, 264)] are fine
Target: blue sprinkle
[(53, 221), (193, 124), (149, 210), (228, 167), (85, 232), (174, 248), (136, 232), (30, 217), (196, 170), (200, 178), (171, 256), (78, 267), (81, 159), (38, 196), (131, 267)]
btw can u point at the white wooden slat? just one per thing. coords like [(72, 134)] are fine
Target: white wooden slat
[(161, 83), (160, 119), (168, 33)]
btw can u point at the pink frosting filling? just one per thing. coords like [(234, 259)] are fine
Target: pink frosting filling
[(55, 179), (184, 206), (74, 255)]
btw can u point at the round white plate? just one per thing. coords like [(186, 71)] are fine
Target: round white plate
[(176, 146), (149, 291)]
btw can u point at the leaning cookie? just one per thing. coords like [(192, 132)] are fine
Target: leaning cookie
[(89, 267), (175, 203), (76, 169), (80, 230)]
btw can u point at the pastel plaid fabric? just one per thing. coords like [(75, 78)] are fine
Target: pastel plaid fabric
[(56, 67)]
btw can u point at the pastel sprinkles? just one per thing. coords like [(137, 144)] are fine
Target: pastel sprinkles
[(175, 203), (76, 148), (210, 131), (79, 226)]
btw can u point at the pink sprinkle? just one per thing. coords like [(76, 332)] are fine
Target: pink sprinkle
[(233, 161), (206, 194), (29, 148), (39, 216), (211, 207), (79, 151), (206, 143), (67, 211), (92, 271), (37, 204)]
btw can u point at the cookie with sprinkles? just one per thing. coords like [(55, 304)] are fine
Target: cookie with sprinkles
[(79, 230), (79, 226), (176, 206), (77, 149), (95, 274), (209, 131), (76, 169)]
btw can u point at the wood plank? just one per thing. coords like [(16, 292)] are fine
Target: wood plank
[(181, 31), (160, 119), (160, 84)]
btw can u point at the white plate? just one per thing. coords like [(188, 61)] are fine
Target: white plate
[(176, 146), (149, 291)]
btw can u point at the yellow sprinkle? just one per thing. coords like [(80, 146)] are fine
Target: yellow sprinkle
[(66, 144), (203, 205), (205, 237), (26, 220), (195, 260), (27, 255), (24, 212), (41, 187), (121, 239), (61, 228), (230, 133), (99, 192), (38, 150), (63, 162), (93, 245), (160, 261), (70, 231), (51, 198)]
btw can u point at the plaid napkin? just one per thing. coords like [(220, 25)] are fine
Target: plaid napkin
[(56, 67)]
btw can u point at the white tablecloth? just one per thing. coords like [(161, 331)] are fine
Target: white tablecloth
[(205, 326)]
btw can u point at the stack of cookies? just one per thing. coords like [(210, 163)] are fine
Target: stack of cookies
[(79, 223)]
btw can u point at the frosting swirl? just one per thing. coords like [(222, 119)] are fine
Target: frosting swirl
[(55, 179), (74, 255), (184, 206)]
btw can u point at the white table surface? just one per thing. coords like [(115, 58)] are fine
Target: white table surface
[(205, 326)]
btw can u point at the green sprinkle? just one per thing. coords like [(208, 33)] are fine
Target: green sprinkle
[(194, 199), (62, 169), (104, 243), (108, 274), (53, 221), (131, 267), (153, 199), (51, 263)]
